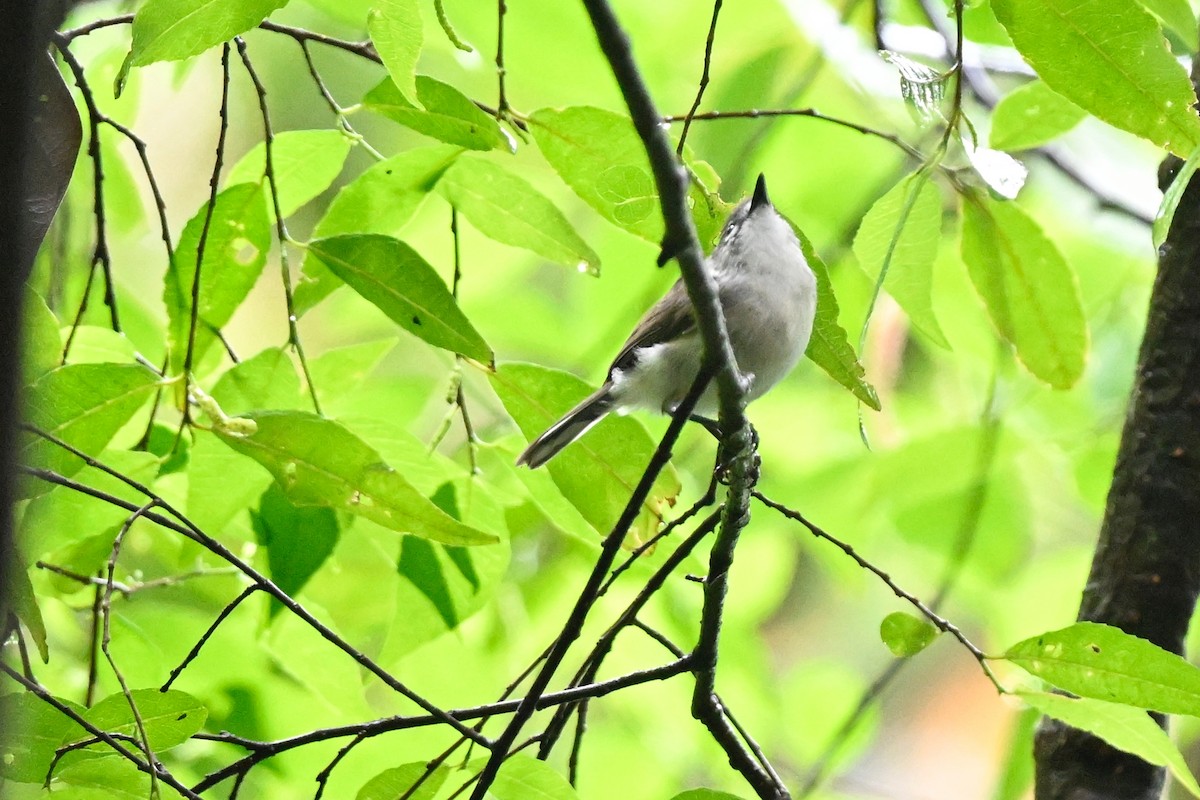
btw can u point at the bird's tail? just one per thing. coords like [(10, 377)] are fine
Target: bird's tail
[(575, 423)]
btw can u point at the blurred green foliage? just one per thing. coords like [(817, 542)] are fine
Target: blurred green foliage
[(981, 484)]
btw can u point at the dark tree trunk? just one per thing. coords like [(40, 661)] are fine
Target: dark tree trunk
[(23, 37), (1146, 571)]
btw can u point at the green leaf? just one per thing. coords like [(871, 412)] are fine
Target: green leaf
[(1016, 776), (900, 235), (1032, 115), (317, 462), (906, 635), (298, 540), (305, 163), (396, 30), (395, 278), (267, 380), (1110, 58), (100, 779), (221, 483), (170, 718), (507, 208), (168, 30), (41, 345), (705, 794), (340, 371), (1178, 17), (448, 114), (523, 777), (1130, 730), (1105, 663), (598, 472), (84, 405), (18, 596), (452, 582), (600, 156), (63, 517), (1028, 287), (1171, 198), (235, 251), (394, 782), (829, 346), (33, 729), (380, 200)]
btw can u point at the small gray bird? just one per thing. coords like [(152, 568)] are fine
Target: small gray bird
[(769, 296)]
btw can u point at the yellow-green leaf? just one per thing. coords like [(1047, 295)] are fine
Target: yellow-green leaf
[(1109, 57), (1028, 287)]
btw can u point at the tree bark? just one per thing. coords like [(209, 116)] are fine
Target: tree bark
[(1145, 574), (26, 30)]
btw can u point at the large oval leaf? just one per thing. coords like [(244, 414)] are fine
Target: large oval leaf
[(169, 718), (167, 30), (900, 234), (235, 252), (600, 156), (505, 207), (448, 114), (380, 200), (1110, 58), (829, 347), (318, 462), (525, 778), (304, 163), (1130, 730), (1099, 661), (84, 405), (404, 286), (395, 28), (1031, 116), (1028, 287), (395, 781)]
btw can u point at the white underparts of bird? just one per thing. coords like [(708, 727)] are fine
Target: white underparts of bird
[(768, 294)]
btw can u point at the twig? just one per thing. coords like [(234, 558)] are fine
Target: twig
[(965, 538), (40, 692), (186, 527), (939, 622), (985, 92), (260, 751), (591, 666), (587, 597), (364, 49), (755, 113), (280, 226), (502, 100), (204, 637), (127, 589), (708, 48), (89, 694), (213, 181), (338, 112), (106, 614), (454, 396), (100, 254)]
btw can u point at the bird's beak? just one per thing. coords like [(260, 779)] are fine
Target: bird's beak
[(760, 199)]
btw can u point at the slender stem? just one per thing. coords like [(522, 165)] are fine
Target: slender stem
[(280, 226), (213, 182), (501, 72), (587, 597), (708, 48)]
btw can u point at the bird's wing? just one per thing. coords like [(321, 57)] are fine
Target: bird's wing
[(667, 319)]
